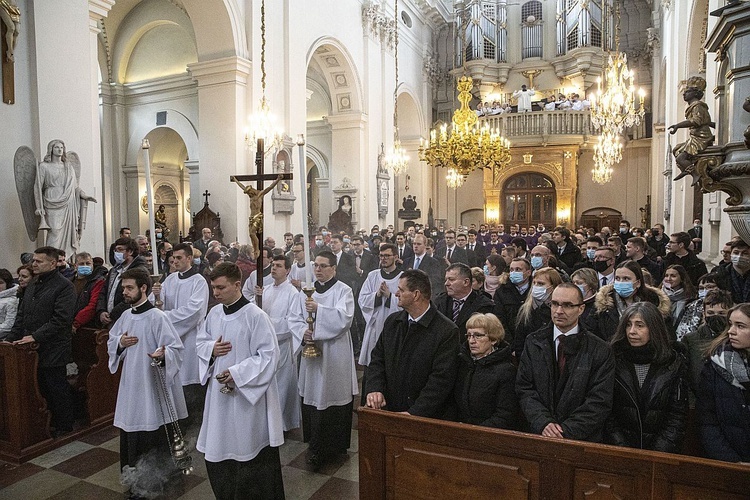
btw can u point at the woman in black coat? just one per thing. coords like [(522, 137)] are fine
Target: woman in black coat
[(724, 392), (485, 386), (535, 312), (650, 403)]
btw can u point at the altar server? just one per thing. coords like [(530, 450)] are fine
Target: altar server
[(141, 334), (250, 289), (242, 424), (327, 383)]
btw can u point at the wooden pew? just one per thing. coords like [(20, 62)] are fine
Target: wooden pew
[(24, 418), (418, 458)]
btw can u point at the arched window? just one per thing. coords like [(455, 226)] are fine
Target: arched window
[(527, 199), (531, 29)]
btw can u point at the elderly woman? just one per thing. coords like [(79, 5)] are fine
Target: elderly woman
[(650, 402), (484, 390), (8, 302), (587, 281)]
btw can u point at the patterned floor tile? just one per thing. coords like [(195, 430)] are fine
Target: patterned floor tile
[(201, 492), (328, 469), (61, 454), (291, 450), (88, 463), (87, 491), (10, 474), (39, 486), (337, 489), (108, 478), (350, 470), (301, 484)]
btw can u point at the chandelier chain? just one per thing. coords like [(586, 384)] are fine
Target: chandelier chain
[(263, 48)]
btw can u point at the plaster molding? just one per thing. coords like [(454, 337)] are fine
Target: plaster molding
[(233, 70)]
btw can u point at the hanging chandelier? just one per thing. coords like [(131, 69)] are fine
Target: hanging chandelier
[(262, 124), (396, 160), (613, 106), (467, 146), (608, 149)]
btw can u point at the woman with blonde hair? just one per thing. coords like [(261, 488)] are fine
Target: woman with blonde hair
[(724, 392), (535, 312), (485, 384), (587, 281)]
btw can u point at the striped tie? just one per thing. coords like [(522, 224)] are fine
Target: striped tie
[(457, 304)]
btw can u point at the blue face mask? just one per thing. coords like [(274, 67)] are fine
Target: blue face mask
[(486, 269), (515, 277), (537, 262), (582, 288), (347, 240), (119, 257), (590, 253), (197, 262), (319, 243), (624, 288), (84, 270), (702, 294)]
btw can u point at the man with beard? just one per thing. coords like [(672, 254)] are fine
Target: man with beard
[(239, 353), (144, 333)]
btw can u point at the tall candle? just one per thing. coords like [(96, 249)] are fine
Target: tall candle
[(303, 199), (150, 198)]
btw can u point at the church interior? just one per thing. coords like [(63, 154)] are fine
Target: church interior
[(166, 100)]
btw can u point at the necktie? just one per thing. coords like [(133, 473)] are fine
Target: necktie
[(457, 304), (604, 281), (416, 262), (450, 251), (358, 259), (561, 354), (400, 253)]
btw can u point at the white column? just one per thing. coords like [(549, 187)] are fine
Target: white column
[(222, 116), (347, 146)]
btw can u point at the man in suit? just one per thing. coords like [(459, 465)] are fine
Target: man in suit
[(345, 263), (124, 233), (451, 253), (413, 365), (420, 260), (568, 252), (696, 236), (462, 241), (460, 301), (403, 249), (566, 375)]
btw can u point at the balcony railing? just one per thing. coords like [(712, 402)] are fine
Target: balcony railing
[(542, 126)]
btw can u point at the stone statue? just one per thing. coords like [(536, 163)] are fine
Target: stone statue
[(698, 120), (160, 221), (50, 191), (341, 219), (11, 17), (256, 210)]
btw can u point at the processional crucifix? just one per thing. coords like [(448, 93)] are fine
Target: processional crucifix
[(10, 22), (256, 194)]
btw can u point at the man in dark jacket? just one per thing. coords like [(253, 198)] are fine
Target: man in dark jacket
[(420, 260), (111, 304), (568, 252), (413, 365), (451, 252), (679, 254), (635, 249), (566, 375), (460, 301), (45, 316)]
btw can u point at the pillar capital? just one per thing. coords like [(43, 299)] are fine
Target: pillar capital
[(220, 71)]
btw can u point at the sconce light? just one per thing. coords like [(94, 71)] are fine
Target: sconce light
[(563, 215)]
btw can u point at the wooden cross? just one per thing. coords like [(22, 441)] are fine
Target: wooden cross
[(8, 69), (256, 195)]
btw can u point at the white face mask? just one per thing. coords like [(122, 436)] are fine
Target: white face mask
[(119, 257), (740, 261), (540, 293)]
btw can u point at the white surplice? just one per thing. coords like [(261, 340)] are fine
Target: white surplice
[(278, 302), (375, 309), (248, 289), (237, 426), (331, 378), (141, 395), (186, 304), (299, 273)]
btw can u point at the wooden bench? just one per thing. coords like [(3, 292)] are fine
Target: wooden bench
[(411, 457), (24, 418)]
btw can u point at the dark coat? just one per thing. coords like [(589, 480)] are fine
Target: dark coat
[(651, 266), (119, 305), (693, 265), (458, 255), (570, 256), (478, 255), (695, 344), (46, 313), (415, 372), (485, 389), (346, 271), (434, 268), (368, 262), (603, 321), (654, 416), (723, 416), (581, 400), (540, 318), (475, 302), (508, 301), (407, 252)]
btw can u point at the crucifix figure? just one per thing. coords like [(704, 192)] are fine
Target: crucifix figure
[(10, 17), (256, 194)]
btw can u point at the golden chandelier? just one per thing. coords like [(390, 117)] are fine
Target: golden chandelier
[(468, 146)]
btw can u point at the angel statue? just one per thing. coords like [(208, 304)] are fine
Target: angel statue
[(50, 192)]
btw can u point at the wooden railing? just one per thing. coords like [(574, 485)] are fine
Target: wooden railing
[(410, 457)]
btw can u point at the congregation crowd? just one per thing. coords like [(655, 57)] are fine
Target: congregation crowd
[(604, 336)]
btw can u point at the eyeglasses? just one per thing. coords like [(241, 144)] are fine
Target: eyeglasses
[(475, 336), (321, 266), (565, 305)]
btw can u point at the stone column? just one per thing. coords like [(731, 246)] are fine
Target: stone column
[(222, 114), (194, 193), (347, 146)]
